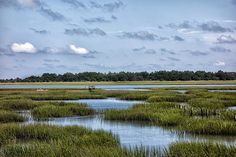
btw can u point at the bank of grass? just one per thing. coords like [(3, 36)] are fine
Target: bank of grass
[(137, 95), (186, 119), (209, 103), (26, 104), (9, 116), (21, 104), (70, 109), (74, 141), (65, 148), (228, 115), (64, 96), (49, 94), (213, 102), (169, 98), (194, 149), (209, 126), (127, 95), (13, 133), (157, 113)]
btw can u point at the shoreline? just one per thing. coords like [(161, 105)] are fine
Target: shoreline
[(200, 82)]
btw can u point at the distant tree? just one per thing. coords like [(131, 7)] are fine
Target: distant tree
[(128, 76)]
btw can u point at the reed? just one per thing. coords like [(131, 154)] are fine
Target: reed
[(62, 110), (228, 115), (64, 96), (12, 133), (164, 114), (61, 148), (201, 112), (74, 141), (169, 98), (21, 104), (193, 149), (209, 103), (8, 116), (209, 126)]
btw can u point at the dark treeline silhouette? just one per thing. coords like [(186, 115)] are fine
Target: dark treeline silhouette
[(129, 76)]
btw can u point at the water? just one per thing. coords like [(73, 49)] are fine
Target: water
[(232, 108), (111, 87), (109, 103), (135, 134), (131, 134), (181, 91), (228, 91)]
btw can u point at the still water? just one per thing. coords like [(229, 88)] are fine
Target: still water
[(131, 134), (226, 91), (110, 87), (105, 104)]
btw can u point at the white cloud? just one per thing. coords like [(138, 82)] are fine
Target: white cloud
[(219, 63), (78, 50), (26, 47)]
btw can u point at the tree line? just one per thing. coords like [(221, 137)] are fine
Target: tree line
[(128, 76)]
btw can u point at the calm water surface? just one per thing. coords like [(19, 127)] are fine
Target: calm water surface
[(104, 104), (232, 108), (130, 134), (227, 91), (110, 87)]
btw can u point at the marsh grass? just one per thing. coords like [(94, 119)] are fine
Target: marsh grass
[(9, 116), (62, 149), (61, 110), (63, 95), (228, 115), (209, 126), (169, 98), (12, 133), (124, 95), (164, 114), (193, 149), (135, 95), (201, 112), (74, 141), (205, 114), (188, 119), (21, 104), (50, 94), (209, 103)]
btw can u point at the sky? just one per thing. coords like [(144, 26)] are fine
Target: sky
[(59, 36)]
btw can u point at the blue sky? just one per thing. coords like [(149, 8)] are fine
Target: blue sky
[(59, 36)]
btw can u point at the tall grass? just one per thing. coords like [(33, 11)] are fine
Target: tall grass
[(74, 141), (135, 95), (21, 104), (8, 116), (228, 115), (193, 149), (209, 126), (158, 113), (64, 95), (63, 149), (210, 103), (13, 133), (201, 112), (49, 111), (169, 98)]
